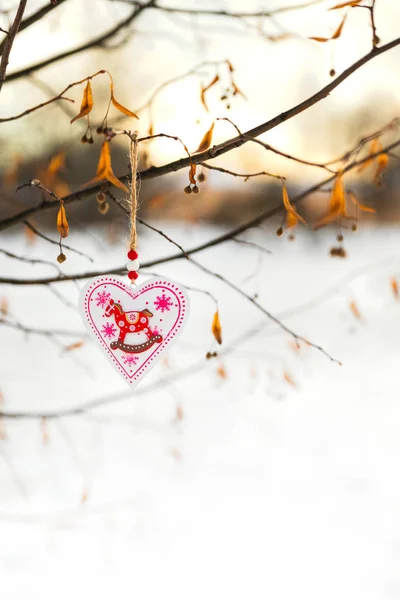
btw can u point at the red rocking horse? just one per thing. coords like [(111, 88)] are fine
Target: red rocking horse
[(131, 322)]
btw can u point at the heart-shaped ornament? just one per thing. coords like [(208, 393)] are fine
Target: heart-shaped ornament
[(134, 326)]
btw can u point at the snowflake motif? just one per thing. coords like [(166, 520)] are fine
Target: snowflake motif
[(130, 359), (163, 303), (102, 299), (109, 330)]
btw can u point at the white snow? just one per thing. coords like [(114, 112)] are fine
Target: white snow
[(263, 489)]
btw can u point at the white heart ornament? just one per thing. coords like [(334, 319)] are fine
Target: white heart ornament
[(134, 326)]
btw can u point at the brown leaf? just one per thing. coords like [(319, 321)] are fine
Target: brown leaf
[(394, 284), (337, 204), (87, 103), (74, 346), (289, 379), (292, 217), (355, 310), (216, 328), (3, 306), (205, 89), (351, 3), (206, 140), (192, 173), (221, 372), (383, 161), (104, 169), (319, 39), (360, 206), (339, 29), (62, 222), (238, 91), (56, 163), (122, 109)]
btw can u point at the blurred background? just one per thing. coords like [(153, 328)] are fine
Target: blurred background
[(267, 469)]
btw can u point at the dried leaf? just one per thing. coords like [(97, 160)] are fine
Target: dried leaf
[(289, 379), (62, 223), (104, 169), (374, 148), (122, 109), (360, 206), (204, 90), (3, 306), (221, 372), (319, 39), (74, 346), (394, 284), (56, 163), (237, 91), (87, 103), (230, 66), (216, 328), (339, 29), (383, 161), (337, 204), (206, 141), (292, 217), (45, 431), (192, 173), (351, 3), (355, 310), (334, 36)]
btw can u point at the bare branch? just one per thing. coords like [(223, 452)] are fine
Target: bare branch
[(37, 16), (217, 150), (8, 42), (95, 43)]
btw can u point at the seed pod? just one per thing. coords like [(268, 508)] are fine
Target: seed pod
[(188, 189), (201, 177), (195, 189), (61, 258), (101, 197), (103, 208), (279, 231)]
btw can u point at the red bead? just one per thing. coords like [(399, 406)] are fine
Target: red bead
[(133, 275), (132, 255)]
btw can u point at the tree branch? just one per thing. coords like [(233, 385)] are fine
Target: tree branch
[(96, 42), (8, 42), (215, 151), (37, 16)]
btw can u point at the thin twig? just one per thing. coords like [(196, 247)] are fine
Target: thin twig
[(8, 42)]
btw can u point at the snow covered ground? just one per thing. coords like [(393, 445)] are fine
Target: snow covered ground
[(265, 473)]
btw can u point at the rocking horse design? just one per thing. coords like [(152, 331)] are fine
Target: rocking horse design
[(131, 322)]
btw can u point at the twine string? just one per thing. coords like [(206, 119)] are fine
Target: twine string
[(133, 192)]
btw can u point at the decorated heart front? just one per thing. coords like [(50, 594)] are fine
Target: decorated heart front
[(134, 326)]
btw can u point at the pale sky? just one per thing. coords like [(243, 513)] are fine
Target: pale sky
[(274, 76)]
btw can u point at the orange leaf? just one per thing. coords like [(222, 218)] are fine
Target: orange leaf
[(394, 284), (319, 39), (337, 204), (62, 223), (360, 206), (339, 29), (56, 162), (292, 217), (121, 108), (192, 173), (383, 161), (87, 102), (351, 3), (204, 90), (104, 169), (355, 310), (216, 328), (221, 372), (238, 91), (289, 379), (374, 148), (3, 306), (206, 140)]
